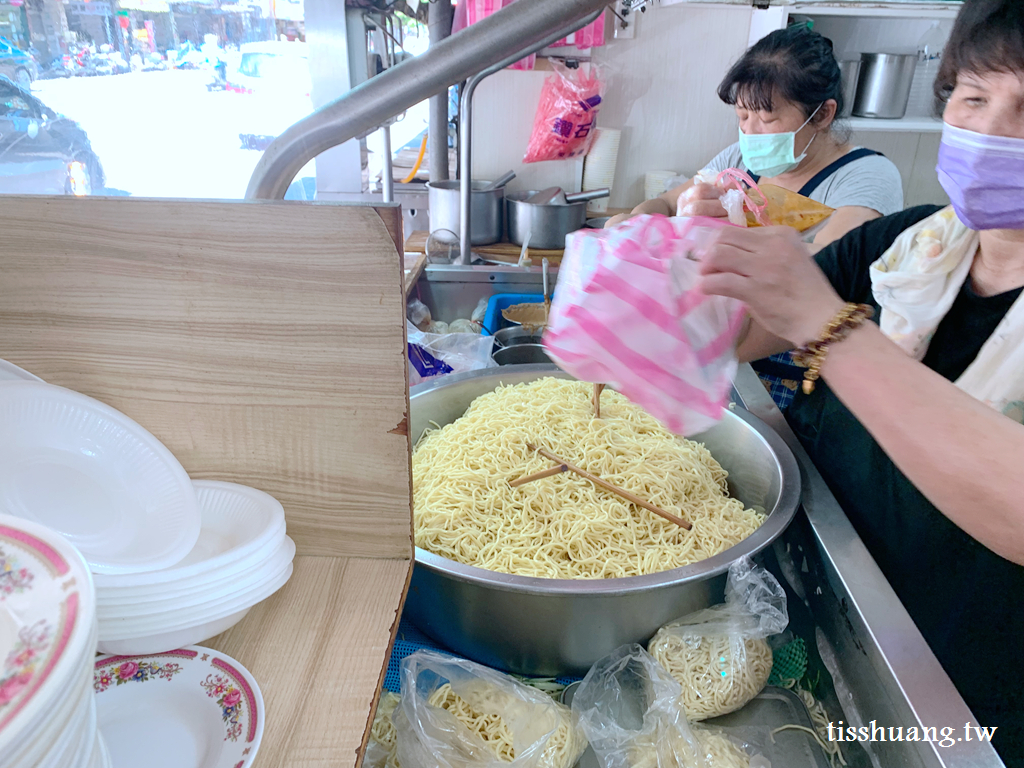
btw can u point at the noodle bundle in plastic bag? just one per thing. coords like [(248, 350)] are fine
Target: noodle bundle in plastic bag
[(629, 313), (631, 711), (719, 655), (566, 115), (457, 714)]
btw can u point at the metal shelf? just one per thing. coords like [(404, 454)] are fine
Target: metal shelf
[(903, 125), (875, 9)]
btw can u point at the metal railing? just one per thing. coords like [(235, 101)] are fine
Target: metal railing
[(504, 35)]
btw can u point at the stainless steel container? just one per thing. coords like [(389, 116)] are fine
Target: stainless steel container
[(545, 224), (559, 626), (849, 71), (516, 334), (883, 87), (488, 222), (521, 354)]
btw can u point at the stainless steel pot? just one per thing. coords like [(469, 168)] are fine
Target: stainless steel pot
[(521, 354), (545, 224), (883, 86), (488, 210), (516, 334), (849, 72), (553, 627)]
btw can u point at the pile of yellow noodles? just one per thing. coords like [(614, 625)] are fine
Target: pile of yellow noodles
[(718, 673), (564, 526), (480, 715)]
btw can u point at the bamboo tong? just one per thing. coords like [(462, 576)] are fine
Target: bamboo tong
[(565, 466)]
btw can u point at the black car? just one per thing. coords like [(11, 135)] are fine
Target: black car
[(42, 152)]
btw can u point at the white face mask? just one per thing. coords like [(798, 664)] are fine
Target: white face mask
[(772, 154)]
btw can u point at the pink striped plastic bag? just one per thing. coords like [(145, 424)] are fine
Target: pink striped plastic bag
[(628, 313)]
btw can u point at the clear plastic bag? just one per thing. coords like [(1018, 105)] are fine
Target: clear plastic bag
[(629, 313), (434, 355), (457, 714), (629, 709), (719, 655), (566, 114), (418, 314)]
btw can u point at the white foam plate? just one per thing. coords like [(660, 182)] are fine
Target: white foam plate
[(128, 626), (173, 639), (207, 595), (238, 522), (86, 470), (188, 708), (47, 626), (11, 372)]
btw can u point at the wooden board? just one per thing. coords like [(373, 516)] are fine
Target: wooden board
[(262, 343), (315, 648), (415, 263)]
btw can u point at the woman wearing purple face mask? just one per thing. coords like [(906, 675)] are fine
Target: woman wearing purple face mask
[(914, 416)]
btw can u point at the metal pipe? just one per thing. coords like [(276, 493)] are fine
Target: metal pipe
[(466, 127), (387, 177), (440, 27), (364, 108)]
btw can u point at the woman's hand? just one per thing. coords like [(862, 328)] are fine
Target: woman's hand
[(767, 268), (703, 200)]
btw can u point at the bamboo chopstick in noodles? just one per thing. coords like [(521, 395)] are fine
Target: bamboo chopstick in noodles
[(539, 475), (598, 482), (598, 389)]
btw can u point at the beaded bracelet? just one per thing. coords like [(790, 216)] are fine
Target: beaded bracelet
[(812, 357)]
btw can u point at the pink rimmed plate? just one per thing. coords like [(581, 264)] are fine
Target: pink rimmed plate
[(47, 620), (189, 708)]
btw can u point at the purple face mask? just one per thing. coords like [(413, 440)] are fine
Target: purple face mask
[(984, 178)]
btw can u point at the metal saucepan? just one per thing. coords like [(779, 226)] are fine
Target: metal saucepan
[(553, 627), (487, 214), (521, 354), (516, 334), (546, 224)]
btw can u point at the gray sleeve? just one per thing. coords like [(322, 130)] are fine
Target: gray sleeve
[(730, 157), (871, 182)]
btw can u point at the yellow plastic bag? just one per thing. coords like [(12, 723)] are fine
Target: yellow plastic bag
[(785, 208)]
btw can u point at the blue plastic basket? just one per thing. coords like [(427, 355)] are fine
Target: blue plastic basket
[(493, 321)]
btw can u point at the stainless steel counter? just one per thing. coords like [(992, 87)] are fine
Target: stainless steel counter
[(881, 667)]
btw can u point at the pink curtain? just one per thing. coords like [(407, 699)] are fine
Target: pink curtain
[(471, 11)]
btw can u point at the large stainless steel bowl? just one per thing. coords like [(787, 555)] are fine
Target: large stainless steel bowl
[(562, 626)]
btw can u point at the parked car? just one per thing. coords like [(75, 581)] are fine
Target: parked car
[(274, 79), (42, 152), (17, 65)]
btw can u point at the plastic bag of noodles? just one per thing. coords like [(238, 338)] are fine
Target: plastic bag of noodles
[(631, 711), (719, 655), (457, 714)]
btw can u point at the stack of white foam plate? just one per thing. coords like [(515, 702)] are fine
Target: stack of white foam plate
[(47, 646), (242, 557), (175, 563)]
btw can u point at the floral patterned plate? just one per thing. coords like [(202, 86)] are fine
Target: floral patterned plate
[(47, 624), (189, 708)]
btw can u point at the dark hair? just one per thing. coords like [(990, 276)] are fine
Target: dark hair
[(796, 64), (988, 36)]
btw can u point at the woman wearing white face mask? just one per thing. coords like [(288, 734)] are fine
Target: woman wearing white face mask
[(787, 91), (916, 421)]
